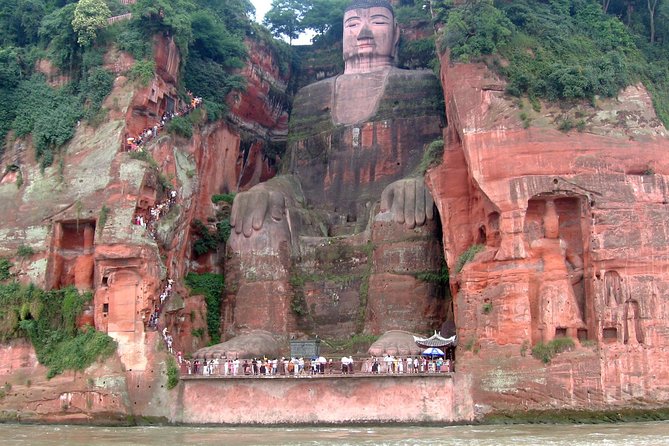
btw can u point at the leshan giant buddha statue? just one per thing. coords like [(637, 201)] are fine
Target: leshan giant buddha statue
[(335, 243)]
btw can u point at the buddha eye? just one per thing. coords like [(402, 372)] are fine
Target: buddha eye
[(380, 20), (352, 23)]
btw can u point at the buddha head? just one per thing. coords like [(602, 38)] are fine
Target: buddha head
[(371, 36), (551, 221)]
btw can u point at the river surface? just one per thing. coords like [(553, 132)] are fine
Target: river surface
[(626, 434)]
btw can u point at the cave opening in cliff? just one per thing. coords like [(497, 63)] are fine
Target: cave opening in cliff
[(73, 234), (610, 334)]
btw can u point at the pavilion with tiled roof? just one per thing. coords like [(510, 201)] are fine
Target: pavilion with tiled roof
[(436, 340), (447, 345)]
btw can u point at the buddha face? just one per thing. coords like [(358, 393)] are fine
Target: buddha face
[(370, 39)]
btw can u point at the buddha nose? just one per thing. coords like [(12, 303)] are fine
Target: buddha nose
[(365, 33)]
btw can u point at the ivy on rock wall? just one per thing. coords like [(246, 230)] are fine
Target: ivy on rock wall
[(211, 286), (49, 320)]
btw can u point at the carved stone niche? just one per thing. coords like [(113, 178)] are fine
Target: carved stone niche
[(491, 235), (118, 297), (71, 257), (557, 293), (632, 332), (614, 291), (620, 314)]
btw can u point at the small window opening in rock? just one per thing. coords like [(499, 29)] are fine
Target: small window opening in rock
[(350, 218), (105, 308), (582, 334), (482, 235), (105, 281), (560, 332), (610, 334), (555, 181)]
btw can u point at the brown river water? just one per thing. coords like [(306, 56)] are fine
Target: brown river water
[(624, 434)]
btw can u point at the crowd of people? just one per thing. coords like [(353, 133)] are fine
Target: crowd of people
[(135, 143), (169, 341), (300, 367), (155, 315), (257, 367), (149, 219), (417, 364)]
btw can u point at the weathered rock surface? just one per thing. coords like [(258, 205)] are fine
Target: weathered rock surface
[(325, 400)]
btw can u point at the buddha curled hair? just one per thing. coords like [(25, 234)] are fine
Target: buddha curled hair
[(366, 4)]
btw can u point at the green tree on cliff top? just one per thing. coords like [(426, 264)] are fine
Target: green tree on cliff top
[(285, 18), (89, 17)]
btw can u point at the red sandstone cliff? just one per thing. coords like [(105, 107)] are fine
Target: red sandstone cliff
[(602, 280)]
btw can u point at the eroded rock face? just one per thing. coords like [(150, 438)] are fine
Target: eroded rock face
[(98, 397), (572, 226)]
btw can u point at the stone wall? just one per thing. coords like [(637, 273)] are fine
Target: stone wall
[(439, 398)]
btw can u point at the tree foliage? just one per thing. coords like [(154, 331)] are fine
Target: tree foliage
[(89, 17), (74, 35), (323, 16), (234, 14), (170, 16), (20, 20), (476, 29), (562, 49), (285, 18), (49, 114), (57, 34)]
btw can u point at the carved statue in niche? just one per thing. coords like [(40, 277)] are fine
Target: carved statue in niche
[(622, 314), (613, 289), (614, 292), (355, 138), (560, 269), (632, 332)]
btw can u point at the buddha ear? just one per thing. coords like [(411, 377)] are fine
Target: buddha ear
[(396, 40)]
